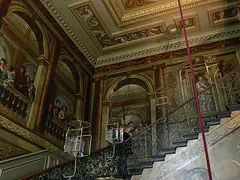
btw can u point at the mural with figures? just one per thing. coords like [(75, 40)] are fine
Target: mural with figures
[(61, 110), (21, 77)]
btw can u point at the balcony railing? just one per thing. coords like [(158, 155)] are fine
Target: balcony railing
[(14, 104), (182, 124), (55, 131)]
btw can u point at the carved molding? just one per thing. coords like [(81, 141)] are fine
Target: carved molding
[(31, 137), (87, 15), (169, 47), (125, 18), (51, 9)]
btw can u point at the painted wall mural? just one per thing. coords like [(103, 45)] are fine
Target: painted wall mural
[(61, 110), (18, 77), (86, 13), (24, 29), (8, 150)]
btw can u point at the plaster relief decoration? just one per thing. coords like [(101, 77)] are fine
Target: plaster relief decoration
[(85, 13), (127, 12), (224, 15), (191, 22), (8, 150), (132, 4)]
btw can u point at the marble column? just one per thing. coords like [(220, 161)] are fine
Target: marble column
[(98, 117), (43, 104), (79, 107), (38, 84)]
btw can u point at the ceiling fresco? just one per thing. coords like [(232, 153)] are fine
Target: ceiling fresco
[(85, 13), (114, 31)]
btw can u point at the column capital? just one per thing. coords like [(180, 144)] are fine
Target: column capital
[(79, 95), (162, 66), (106, 103), (42, 60)]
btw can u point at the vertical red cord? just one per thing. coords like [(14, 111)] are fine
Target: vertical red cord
[(196, 93)]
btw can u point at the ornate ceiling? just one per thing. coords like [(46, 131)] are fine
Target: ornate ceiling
[(113, 31)]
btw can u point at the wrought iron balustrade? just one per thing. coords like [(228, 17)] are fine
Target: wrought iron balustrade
[(14, 104), (99, 165), (182, 124)]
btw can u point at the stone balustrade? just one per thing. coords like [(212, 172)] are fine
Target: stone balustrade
[(55, 131), (14, 104)]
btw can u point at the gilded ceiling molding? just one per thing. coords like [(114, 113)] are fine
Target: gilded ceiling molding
[(87, 15), (223, 15), (170, 46), (51, 9), (128, 17), (31, 137)]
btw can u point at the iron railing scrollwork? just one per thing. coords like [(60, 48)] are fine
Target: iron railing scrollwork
[(182, 124)]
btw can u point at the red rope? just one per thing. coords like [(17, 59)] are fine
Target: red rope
[(195, 93)]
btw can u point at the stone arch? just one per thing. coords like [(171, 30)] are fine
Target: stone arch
[(6, 50), (136, 79), (70, 63), (39, 31)]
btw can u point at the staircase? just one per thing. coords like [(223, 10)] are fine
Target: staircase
[(173, 144), (164, 139)]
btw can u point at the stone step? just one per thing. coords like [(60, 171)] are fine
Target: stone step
[(158, 158), (198, 130), (191, 136), (223, 114), (182, 143), (234, 107), (168, 151), (147, 164), (212, 121), (135, 171)]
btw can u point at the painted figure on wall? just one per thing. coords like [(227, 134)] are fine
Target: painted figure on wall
[(57, 108), (3, 68), (205, 98), (10, 77), (17, 78), (62, 114), (21, 84)]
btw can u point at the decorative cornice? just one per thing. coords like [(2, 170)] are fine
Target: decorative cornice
[(31, 137), (47, 4), (125, 18), (87, 15), (171, 46)]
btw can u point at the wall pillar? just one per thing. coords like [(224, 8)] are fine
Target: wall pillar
[(98, 116), (43, 105), (79, 107), (91, 104), (105, 118), (38, 84), (4, 4), (161, 94)]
